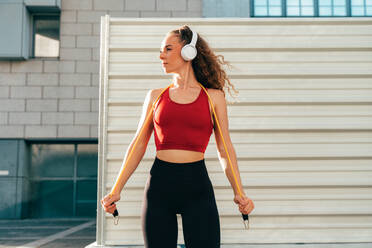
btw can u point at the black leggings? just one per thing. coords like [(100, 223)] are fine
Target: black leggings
[(180, 188)]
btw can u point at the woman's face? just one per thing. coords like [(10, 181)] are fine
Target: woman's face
[(170, 54)]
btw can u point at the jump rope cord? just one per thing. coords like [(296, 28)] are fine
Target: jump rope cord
[(116, 214)]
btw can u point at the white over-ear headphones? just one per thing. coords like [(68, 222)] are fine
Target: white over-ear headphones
[(188, 51)]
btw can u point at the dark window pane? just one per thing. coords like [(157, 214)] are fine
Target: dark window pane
[(87, 160), (52, 160), (86, 209), (86, 190), (46, 36), (51, 199)]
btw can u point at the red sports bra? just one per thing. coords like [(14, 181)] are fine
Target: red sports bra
[(182, 126)]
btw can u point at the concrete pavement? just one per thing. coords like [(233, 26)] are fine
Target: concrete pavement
[(78, 233), (47, 233)]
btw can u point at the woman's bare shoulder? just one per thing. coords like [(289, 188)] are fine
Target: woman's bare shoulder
[(215, 94), (214, 91), (155, 93)]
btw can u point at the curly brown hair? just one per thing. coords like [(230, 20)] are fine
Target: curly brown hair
[(206, 65)]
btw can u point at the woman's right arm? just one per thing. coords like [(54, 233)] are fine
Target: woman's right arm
[(138, 153), (140, 148)]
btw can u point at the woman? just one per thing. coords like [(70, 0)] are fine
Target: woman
[(182, 122)]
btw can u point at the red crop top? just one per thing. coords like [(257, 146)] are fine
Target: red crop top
[(182, 126)]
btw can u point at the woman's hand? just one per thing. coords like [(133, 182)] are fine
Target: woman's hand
[(245, 204), (107, 200)]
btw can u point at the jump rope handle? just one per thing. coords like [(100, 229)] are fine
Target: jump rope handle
[(246, 220), (116, 215)]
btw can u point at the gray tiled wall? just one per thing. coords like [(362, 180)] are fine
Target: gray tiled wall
[(58, 98), (50, 98)]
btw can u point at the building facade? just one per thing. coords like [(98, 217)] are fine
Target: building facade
[(49, 68), (49, 91)]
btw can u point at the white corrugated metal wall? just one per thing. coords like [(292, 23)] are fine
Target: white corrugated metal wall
[(301, 128)]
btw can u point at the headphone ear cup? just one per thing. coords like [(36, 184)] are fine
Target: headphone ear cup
[(188, 52)]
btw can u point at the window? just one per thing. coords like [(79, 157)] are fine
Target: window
[(46, 35), (63, 180), (311, 8), (268, 7), (332, 7), (361, 7), (300, 8)]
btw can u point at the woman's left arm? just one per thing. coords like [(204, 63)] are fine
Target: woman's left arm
[(220, 108), (245, 203)]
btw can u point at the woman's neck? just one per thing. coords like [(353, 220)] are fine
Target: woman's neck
[(185, 79)]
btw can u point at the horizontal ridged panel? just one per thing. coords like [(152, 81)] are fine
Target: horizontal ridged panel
[(299, 206), (267, 68), (284, 96), (274, 179), (301, 124), (252, 165), (254, 41), (298, 150), (252, 56), (276, 27), (142, 84)]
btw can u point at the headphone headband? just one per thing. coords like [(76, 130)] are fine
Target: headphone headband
[(194, 38)]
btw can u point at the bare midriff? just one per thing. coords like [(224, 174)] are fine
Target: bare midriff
[(179, 156)]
